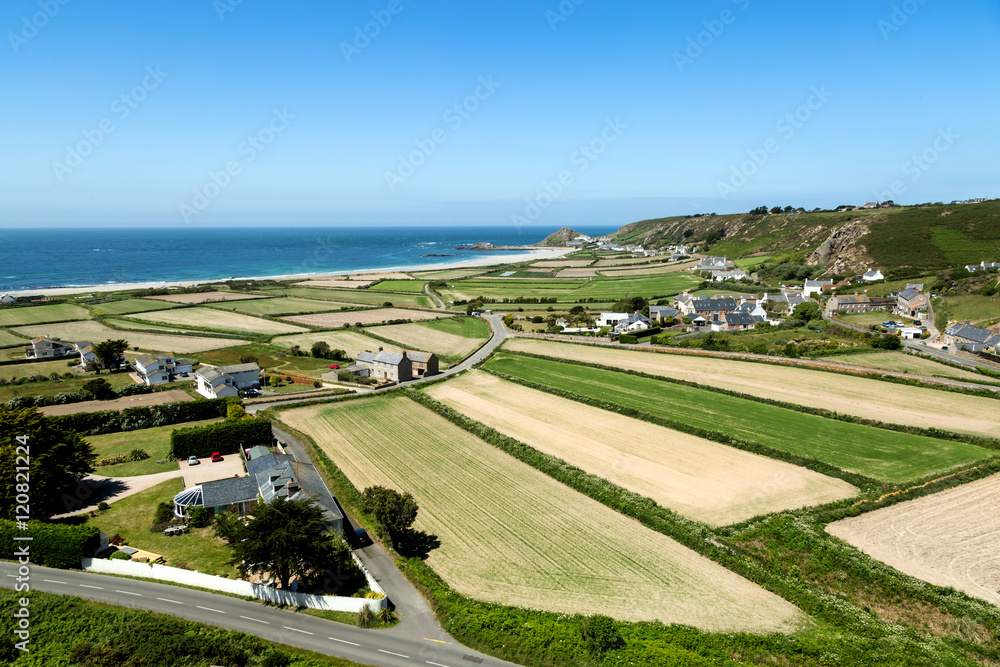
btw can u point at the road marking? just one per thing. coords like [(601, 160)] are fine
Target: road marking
[(53, 581), (128, 593), (343, 641), (398, 655), (297, 630), (436, 640), (100, 588), (166, 600), (210, 609), (256, 619), (12, 576), (436, 664)]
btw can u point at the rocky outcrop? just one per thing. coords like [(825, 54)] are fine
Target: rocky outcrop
[(559, 238), (841, 253)]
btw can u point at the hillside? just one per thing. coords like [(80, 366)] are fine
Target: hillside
[(559, 238), (904, 239)]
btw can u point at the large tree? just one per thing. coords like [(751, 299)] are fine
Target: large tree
[(286, 539), (394, 511), (111, 352), (56, 460)]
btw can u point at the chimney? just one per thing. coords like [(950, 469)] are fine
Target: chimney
[(379, 348)]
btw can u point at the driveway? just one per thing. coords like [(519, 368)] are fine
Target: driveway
[(206, 471), (94, 489)]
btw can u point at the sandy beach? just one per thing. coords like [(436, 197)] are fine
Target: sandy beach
[(487, 259)]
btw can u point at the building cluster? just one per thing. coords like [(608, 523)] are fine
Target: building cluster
[(720, 269), (44, 347), (391, 366)]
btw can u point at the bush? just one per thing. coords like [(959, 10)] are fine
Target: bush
[(317, 384), (164, 513), (199, 517), (112, 421), (366, 618), (225, 438), (601, 634), (53, 545), (137, 455), (103, 506), (120, 555)]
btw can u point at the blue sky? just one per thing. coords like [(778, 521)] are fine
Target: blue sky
[(256, 112)]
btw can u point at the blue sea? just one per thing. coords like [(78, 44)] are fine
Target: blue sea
[(41, 258)]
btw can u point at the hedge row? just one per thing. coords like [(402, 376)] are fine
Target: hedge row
[(224, 437), (52, 544), (636, 336), (979, 441), (67, 397), (132, 419)]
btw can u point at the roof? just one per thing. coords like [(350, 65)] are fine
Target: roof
[(969, 332), (258, 463), (909, 293), (240, 368), (257, 451), (621, 316), (228, 491), (714, 304), (420, 357), (212, 375), (145, 360), (637, 317), (818, 283), (390, 358), (663, 310), (366, 357), (740, 319), (274, 483)]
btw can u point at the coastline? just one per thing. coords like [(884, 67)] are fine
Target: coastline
[(489, 260)]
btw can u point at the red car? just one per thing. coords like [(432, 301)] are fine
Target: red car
[(335, 367), (216, 457)]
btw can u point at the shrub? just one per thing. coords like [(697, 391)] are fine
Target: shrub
[(199, 517), (366, 618), (601, 634), (53, 545), (103, 506), (225, 437), (317, 384), (164, 513), (385, 616), (112, 421), (138, 455), (275, 658), (117, 540), (120, 555)]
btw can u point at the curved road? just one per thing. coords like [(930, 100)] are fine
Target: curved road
[(385, 648)]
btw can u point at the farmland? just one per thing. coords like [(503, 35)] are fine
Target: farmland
[(94, 331), (336, 283), (900, 361), (888, 456), (212, 318), (980, 310), (126, 306), (700, 479), (377, 316), (950, 538), (861, 397), (204, 297), (567, 263), (359, 296), (30, 368), (447, 274), (453, 337), (350, 341), (617, 288), (654, 270), (400, 286), (7, 339), (57, 312), (285, 306), (512, 535)]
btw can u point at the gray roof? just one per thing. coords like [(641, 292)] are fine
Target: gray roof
[(714, 304), (228, 491), (145, 360), (240, 368), (909, 293), (256, 464), (795, 299), (663, 311), (739, 319), (969, 332), (212, 375), (257, 451), (389, 358), (366, 357), (818, 283), (274, 482), (420, 357)]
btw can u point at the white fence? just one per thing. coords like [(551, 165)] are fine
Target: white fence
[(238, 586)]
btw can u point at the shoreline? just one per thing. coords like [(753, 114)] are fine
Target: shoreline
[(539, 254)]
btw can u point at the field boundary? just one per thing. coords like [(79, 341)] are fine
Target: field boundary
[(978, 441)]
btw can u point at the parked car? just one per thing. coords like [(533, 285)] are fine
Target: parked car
[(917, 323), (335, 367), (251, 393), (944, 348), (216, 457), (193, 461)]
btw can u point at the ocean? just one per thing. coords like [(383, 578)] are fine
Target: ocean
[(45, 258)]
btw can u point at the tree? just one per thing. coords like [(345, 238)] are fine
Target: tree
[(236, 412), (807, 310), (320, 348), (199, 517), (249, 359), (394, 511), (776, 209), (631, 305), (577, 311), (294, 350), (285, 538), (57, 461), (99, 388), (111, 353), (601, 634), (474, 306)]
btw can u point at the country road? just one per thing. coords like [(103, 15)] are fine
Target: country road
[(385, 648)]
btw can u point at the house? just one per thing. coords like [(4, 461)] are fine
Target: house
[(256, 452), (713, 265), (970, 338), (661, 313), (270, 477), (735, 274), (635, 322), (44, 347), (753, 309), (611, 319), (713, 309), (988, 266), (787, 300), (683, 303), (872, 275), (424, 363), (815, 287), (388, 366), (909, 301), (911, 333), (220, 381), (848, 304), (972, 268), (7, 298), (155, 369), (739, 321)]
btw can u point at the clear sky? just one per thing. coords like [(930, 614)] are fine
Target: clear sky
[(120, 113)]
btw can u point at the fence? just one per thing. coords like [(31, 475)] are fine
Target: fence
[(238, 586)]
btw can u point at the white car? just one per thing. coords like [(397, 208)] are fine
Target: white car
[(193, 461)]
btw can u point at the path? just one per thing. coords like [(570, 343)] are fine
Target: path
[(435, 299), (94, 489)]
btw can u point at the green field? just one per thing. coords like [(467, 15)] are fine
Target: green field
[(53, 387), (127, 306), (448, 274), (400, 286), (56, 312), (156, 442), (884, 455), (451, 339), (28, 369), (619, 288), (132, 518), (220, 320), (609, 289), (283, 306), (7, 339), (96, 332), (981, 310), (351, 296)]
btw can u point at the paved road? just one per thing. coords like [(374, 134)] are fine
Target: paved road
[(386, 648), (435, 299)]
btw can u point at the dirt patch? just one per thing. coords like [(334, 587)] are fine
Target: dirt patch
[(425, 339), (556, 263), (577, 273), (862, 397), (343, 284), (205, 297), (701, 479), (377, 316), (951, 538), (651, 270), (157, 398)]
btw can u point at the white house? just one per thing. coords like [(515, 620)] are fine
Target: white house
[(44, 347), (635, 322), (815, 287), (611, 319), (735, 274), (159, 368), (220, 381), (872, 275), (8, 298)]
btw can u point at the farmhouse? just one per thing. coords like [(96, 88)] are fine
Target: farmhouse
[(872, 275), (155, 369), (8, 298), (44, 347), (220, 381), (661, 313), (970, 338), (635, 322), (386, 365), (909, 301), (424, 363)]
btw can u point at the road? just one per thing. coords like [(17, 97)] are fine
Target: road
[(386, 648), (435, 299)]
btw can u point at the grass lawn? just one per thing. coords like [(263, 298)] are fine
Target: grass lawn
[(127, 306), (752, 261), (56, 312), (400, 285), (156, 442), (132, 518), (283, 306), (900, 361), (613, 289), (267, 356), (53, 387), (466, 327), (7, 339), (36, 368), (884, 455), (864, 319), (978, 309)]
